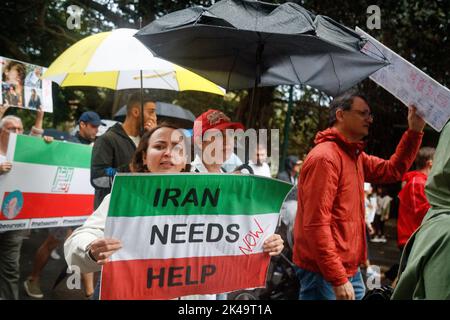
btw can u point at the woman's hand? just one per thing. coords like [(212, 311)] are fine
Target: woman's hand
[(5, 167), (48, 139), (3, 108), (273, 245), (149, 125), (101, 249)]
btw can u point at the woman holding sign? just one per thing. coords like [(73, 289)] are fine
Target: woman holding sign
[(161, 150)]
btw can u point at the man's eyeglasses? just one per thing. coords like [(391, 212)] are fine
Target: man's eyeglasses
[(364, 114)]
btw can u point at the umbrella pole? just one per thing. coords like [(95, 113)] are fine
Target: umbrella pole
[(259, 52), (252, 101), (247, 143), (287, 123), (142, 104)]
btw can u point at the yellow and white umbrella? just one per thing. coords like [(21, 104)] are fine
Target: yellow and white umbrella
[(115, 60)]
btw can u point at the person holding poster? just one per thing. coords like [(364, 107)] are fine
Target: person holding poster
[(11, 241), (163, 149)]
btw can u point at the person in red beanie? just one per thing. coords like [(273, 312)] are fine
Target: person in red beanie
[(213, 140)]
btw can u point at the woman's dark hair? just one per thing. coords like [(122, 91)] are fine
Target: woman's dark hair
[(137, 163), (20, 67)]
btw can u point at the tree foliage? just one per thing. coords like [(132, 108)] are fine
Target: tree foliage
[(37, 32)]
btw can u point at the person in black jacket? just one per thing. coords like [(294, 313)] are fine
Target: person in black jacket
[(113, 150)]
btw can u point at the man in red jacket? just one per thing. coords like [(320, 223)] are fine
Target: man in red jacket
[(329, 231), (413, 202)]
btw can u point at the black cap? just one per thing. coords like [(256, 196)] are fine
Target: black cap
[(92, 118)]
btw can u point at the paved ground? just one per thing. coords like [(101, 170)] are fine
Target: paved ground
[(50, 273), (386, 254), (383, 255)]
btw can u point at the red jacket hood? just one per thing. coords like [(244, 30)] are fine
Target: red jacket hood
[(332, 134), (410, 175)]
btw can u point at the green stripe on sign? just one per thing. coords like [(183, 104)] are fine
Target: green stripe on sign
[(189, 194), (57, 153)]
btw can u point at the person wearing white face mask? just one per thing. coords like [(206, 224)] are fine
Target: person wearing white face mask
[(11, 241)]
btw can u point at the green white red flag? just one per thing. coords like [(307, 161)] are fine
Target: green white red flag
[(48, 185), (188, 234)]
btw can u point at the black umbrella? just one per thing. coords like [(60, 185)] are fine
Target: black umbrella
[(242, 44), (165, 112), (58, 134)]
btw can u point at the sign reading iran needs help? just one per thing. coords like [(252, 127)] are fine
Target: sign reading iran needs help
[(48, 185), (410, 84), (188, 234)]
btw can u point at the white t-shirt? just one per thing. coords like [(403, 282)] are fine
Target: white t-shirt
[(2, 158), (136, 140), (263, 170)]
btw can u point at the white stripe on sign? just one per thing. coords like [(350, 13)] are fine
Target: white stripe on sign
[(39, 178), (45, 223), (73, 221), (8, 225), (11, 147), (163, 237)]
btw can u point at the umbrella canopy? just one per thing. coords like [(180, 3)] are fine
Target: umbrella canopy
[(165, 111), (115, 60), (58, 134), (240, 44)]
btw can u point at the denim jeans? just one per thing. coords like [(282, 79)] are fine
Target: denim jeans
[(96, 295), (314, 287)]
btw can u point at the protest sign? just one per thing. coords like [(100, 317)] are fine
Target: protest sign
[(48, 185), (409, 84), (23, 87), (188, 234)]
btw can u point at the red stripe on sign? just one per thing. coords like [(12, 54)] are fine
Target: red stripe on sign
[(50, 205), (172, 278)]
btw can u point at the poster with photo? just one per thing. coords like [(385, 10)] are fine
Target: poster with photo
[(23, 87)]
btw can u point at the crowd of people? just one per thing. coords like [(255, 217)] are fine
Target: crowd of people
[(337, 206)]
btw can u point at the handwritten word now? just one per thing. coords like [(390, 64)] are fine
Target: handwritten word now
[(251, 239)]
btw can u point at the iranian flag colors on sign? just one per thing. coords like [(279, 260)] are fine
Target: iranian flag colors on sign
[(189, 234), (48, 186)]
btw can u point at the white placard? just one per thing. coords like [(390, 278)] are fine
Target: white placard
[(409, 84), (22, 85)]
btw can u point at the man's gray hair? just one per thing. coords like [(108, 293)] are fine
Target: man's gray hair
[(9, 118)]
